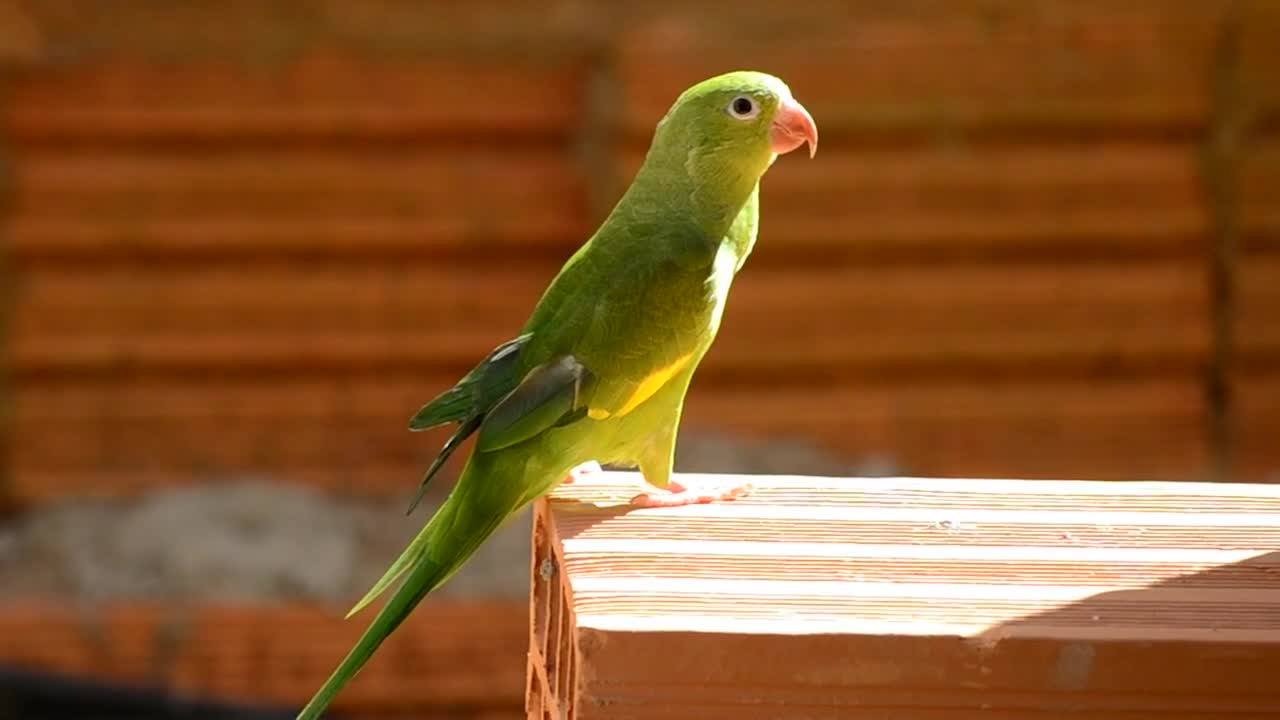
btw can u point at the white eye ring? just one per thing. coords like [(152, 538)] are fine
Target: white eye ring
[(743, 107)]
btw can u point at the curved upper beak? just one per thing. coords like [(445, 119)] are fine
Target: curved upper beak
[(792, 127)]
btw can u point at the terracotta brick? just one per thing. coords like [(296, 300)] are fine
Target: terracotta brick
[(447, 656), (1093, 429), (1257, 22), (1258, 181), (118, 437), (1112, 195), (1255, 423), (1257, 332), (283, 315), (1100, 197), (1014, 599), (322, 95), (416, 183), (292, 254), (539, 232), (849, 317), (1255, 341), (258, 34), (1007, 65), (109, 437)]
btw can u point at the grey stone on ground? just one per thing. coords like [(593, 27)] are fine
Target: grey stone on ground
[(252, 540), (235, 541)]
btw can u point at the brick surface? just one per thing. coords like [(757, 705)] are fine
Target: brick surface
[(854, 598)]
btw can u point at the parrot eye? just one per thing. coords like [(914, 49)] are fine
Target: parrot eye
[(743, 108)]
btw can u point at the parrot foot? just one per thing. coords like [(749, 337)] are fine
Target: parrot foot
[(677, 494), (590, 467)]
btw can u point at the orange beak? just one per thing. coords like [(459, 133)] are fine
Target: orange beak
[(792, 127)]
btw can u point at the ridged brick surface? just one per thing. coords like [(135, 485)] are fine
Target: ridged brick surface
[(908, 598)]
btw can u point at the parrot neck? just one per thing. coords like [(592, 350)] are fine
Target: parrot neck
[(742, 233), (714, 200)]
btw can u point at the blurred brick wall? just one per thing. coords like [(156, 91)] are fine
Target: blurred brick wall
[(1040, 238), (450, 661), (1251, 142), (240, 238)]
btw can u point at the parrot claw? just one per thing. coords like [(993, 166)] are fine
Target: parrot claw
[(677, 494), (590, 467)]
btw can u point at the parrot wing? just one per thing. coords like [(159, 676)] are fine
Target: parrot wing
[(549, 395), (487, 382), (634, 318), (467, 403)]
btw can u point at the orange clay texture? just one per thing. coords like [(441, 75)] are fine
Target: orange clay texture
[(886, 598)]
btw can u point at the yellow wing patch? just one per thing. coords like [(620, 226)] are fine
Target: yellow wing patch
[(644, 390)]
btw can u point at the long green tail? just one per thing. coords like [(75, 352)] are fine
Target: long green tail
[(439, 550)]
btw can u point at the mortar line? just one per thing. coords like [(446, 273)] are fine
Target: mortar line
[(1219, 171)]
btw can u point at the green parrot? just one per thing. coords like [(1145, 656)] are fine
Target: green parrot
[(599, 372)]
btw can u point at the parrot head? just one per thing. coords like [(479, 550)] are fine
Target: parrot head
[(738, 122), (717, 141)]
